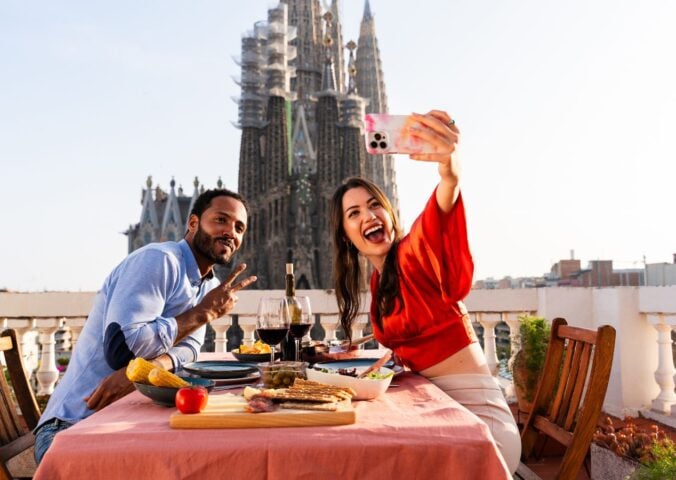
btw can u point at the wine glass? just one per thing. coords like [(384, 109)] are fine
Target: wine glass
[(272, 322), (299, 329)]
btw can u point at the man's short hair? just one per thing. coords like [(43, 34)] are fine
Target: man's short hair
[(204, 200)]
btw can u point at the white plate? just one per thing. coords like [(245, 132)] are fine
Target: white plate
[(251, 378)]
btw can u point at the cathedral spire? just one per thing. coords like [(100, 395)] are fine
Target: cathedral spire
[(367, 11), (305, 15), (172, 223), (328, 74), (352, 120), (251, 102), (279, 53), (370, 79), (351, 69), (149, 224), (195, 194), (337, 47)]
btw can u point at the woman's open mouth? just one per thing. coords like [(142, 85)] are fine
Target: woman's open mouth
[(375, 234)]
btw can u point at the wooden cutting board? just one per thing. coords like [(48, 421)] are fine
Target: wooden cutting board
[(219, 414)]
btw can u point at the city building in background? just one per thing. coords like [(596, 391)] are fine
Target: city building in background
[(599, 273), (661, 274), (164, 214), (301, 114), (301, 111)]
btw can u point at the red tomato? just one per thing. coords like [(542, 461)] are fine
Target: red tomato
[(191, 399)]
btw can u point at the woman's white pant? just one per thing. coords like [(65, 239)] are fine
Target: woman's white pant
[(481, 395)]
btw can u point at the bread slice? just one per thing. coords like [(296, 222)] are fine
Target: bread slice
[(343, 392), (324, 406), (287, 394)]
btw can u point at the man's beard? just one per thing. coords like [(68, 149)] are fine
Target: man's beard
[(205, 245)]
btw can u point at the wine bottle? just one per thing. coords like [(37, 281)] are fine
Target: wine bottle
[(289, 345)]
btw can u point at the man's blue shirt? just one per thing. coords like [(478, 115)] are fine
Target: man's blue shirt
[(133, 316)]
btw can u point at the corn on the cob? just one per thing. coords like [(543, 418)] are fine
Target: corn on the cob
[(138, 370), (164, 378)]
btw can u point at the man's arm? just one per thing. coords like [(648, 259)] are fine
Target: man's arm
[(215, 304), (116, 385)]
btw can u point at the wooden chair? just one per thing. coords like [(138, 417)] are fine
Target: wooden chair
[(570, 395), (16, 437)]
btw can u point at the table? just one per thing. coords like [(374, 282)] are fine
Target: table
[(413, 431)]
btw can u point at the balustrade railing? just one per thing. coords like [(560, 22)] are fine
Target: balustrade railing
[(642, 378), (665, 402)]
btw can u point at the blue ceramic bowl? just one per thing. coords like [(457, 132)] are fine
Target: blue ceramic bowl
[(166, 396)]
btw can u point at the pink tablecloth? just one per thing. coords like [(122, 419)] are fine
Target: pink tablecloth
[(413, 431)]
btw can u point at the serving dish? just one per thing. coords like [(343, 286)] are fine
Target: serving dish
[(366, 388), (253, 377), (321, 352), (359, 364), (165, 396), (281, 374), (220, 369)]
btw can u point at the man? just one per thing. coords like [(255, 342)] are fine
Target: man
[(155, 305)]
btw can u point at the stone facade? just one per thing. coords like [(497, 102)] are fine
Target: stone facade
[(301, 112), (301, 115)]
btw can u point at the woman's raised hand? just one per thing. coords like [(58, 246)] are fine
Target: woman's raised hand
[(439, 130)]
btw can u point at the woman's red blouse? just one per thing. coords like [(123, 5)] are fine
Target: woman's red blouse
[(435, 273)]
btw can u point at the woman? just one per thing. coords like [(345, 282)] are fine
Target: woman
[(419, 281)]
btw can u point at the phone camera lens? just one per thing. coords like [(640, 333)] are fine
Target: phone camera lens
[(374, 144), (377, 136), (383, 144)]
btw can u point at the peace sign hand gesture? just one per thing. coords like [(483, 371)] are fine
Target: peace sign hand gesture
[(218, 302), (222, 299)]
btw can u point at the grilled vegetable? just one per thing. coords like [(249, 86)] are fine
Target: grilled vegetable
[(138, 370), (164, 378)]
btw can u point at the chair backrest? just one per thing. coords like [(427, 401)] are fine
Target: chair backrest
[(15, 435), (570, 392)]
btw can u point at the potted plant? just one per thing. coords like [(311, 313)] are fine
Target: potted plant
[(624, 450), (530, 359), (662, 463)]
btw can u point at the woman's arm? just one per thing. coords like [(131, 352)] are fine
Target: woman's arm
[(441, 132)]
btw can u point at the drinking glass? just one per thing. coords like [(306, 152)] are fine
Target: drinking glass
[(299, 330), (272, 322)]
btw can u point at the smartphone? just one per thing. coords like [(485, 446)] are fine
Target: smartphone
[(385, 133)]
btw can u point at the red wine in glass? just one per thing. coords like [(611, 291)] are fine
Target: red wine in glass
[(302, 326), (272, 323), (299, 330), (272, 336)]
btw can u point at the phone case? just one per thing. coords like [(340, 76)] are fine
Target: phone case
[(385, 133)]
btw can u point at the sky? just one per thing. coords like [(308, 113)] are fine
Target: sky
[(567, 112)]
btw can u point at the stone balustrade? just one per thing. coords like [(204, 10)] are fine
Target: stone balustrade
[(642, 378), (665, 401)]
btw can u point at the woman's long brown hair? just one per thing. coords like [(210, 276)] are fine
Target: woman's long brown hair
[(347, 270)]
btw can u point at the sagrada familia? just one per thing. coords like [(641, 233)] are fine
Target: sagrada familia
[(301, 113)]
